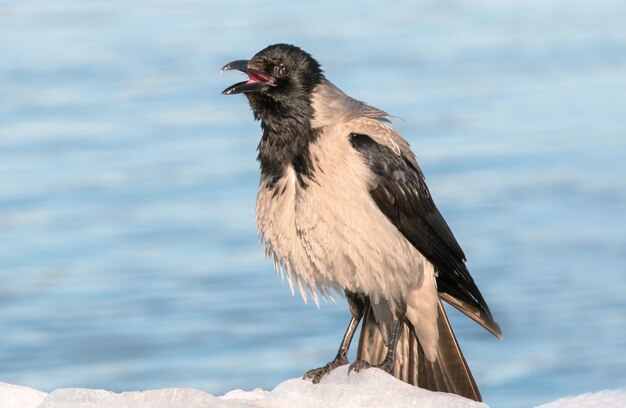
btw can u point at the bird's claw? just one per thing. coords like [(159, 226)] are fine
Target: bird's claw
[(358, 366), (363, 365), (318, 373)]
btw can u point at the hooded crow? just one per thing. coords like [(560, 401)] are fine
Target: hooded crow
[(343, 206)]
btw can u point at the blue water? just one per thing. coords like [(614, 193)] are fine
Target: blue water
[(129, 256)]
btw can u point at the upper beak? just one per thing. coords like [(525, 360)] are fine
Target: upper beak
[(239, 65), (257, 81)]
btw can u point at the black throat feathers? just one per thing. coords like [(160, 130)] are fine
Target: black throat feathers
[(286, 140)]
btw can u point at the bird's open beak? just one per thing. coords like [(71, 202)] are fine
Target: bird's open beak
[(258, 80)]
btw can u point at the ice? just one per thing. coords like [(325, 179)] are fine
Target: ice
[(371, 388)]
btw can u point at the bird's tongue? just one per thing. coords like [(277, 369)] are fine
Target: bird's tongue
[(257, 77)]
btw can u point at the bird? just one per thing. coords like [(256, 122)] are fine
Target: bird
[(343, 207)]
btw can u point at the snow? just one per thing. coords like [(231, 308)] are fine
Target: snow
[(609, 399), (371, 388), (16, 396)]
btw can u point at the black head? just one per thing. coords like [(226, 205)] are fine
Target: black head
[(280, 75), (281, 80)]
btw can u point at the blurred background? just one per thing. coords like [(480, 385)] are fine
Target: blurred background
[(129, 256)]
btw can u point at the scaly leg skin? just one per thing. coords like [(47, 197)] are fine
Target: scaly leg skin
[(387, 364), (356, 308)]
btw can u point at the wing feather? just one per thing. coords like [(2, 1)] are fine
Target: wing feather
[(400, 191)]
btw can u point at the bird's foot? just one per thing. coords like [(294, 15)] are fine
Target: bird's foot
[(359, 365), (317, 373)]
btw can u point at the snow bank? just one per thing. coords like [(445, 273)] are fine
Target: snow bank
[(370, 388)]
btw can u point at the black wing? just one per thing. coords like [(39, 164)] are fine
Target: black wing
[(402, 195)]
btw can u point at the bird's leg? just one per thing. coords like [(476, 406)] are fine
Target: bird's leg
[(356, 309), (340, 359), (387, 364)]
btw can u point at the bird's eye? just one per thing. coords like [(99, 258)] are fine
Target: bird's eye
[(280, 70)]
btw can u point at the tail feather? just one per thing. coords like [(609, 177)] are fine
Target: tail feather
[(484, 319), (448, 373)]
